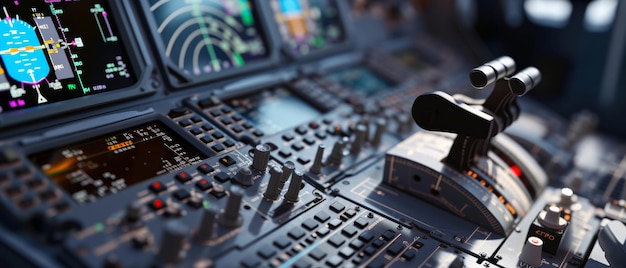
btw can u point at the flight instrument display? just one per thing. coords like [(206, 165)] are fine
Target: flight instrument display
[(48, 55), (97, 167), (307, 26), (208, 36)]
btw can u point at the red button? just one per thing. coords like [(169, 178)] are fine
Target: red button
[(157, 187), (157, 204), (183, 177), (204, 185)]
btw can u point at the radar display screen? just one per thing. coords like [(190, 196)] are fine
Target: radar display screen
[(274, 110), (97, 167), (307, 26), (209, 36), (52, 51), (360, 80)]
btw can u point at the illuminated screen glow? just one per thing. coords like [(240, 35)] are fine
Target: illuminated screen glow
[(308, 25), (48, 55), (209, 36), (91, 169)]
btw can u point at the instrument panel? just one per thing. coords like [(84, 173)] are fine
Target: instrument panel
[(245, 133)]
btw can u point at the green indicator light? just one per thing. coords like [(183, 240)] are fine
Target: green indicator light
[(238, 59), (246, 14), (318, 42), (206, 204), (98, 227), (71, 86)]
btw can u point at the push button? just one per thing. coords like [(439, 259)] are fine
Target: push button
[(157, 187), (204, 185), (183, 177), (227, 161), (181, 194), (157, 204), (337, 207), (205, 168)]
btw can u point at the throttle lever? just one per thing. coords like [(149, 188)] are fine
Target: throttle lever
[(438, 111), (502, 102)]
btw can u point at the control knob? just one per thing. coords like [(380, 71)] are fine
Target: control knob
[(230, 216), (172, 242)]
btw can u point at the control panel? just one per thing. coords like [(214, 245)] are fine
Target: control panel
[(250, 133)]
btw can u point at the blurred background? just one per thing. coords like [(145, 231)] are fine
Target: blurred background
[(577, 44)]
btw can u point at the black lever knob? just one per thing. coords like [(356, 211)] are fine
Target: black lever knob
[(438, 111)]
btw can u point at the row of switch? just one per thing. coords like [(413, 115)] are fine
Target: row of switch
[(229, 120), (202, 130), (338, 234)]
